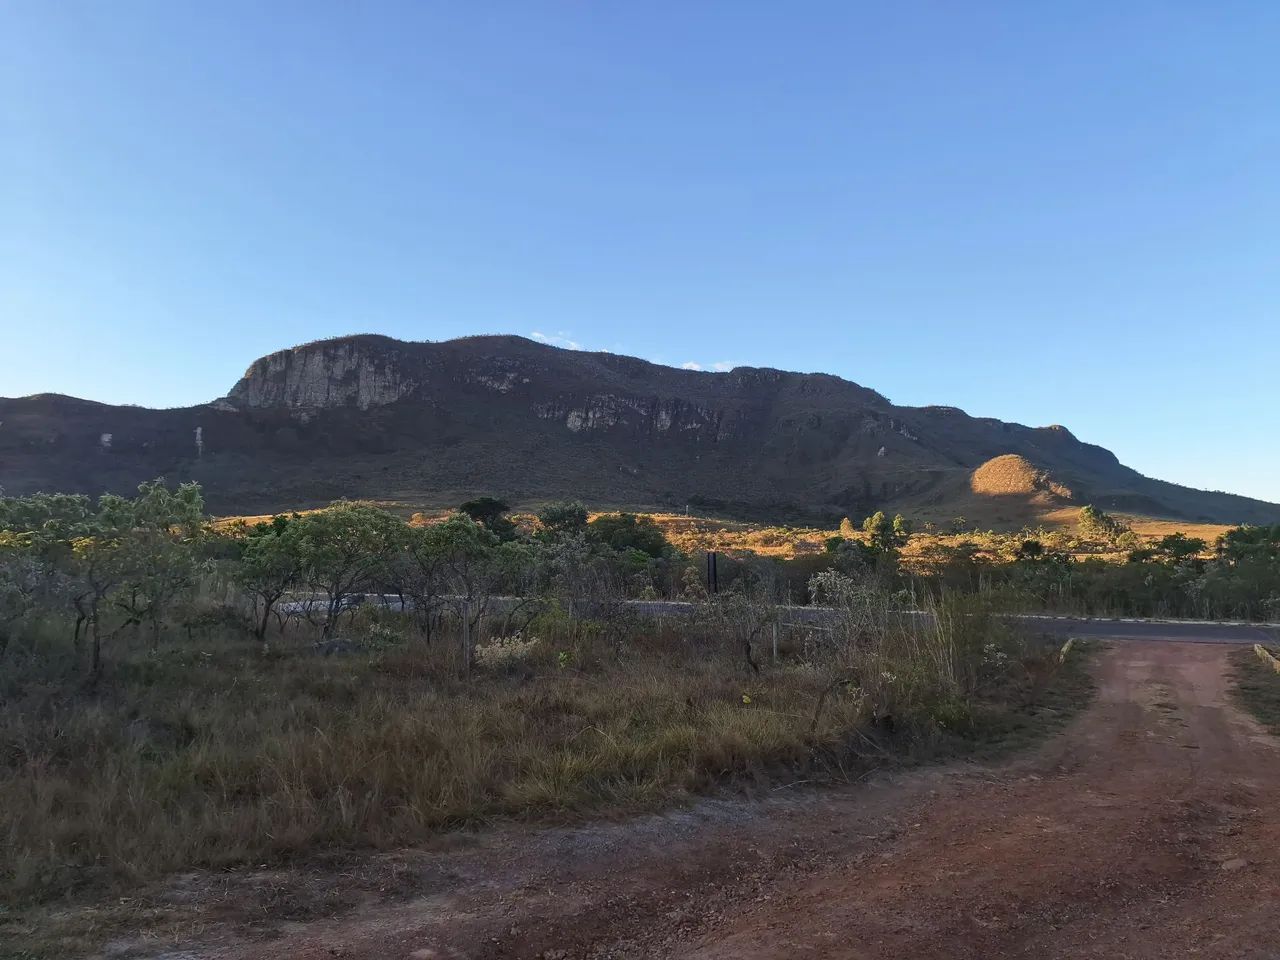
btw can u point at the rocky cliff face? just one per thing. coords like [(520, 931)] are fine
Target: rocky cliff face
[(340, 373), (433, 423)]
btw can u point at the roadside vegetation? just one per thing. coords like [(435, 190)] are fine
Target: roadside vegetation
[(175, 693), (1104, 569), (1099, 565), (1256, 686)]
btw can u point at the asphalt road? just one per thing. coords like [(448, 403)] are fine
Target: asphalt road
[(1184, 631)]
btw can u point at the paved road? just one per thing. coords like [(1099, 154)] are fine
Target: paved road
[(1181, 630), (1186, 631)]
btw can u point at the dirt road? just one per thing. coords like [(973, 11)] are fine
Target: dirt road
[(1148, 829)]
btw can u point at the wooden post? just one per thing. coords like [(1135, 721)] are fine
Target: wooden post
[(775, 641)]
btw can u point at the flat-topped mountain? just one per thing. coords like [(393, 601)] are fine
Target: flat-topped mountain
[(429, 424)]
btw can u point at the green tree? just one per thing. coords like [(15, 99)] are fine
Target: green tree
[(1030, 549), (491, 513), (1179, 548), (347, 550), (886, 534), (35, 551), (156, 552), (270, 566), (21, 582), (626, 531), (901, 530), (476, 564), (45, 519), (854, 556), (424, 572), (564, 519), (99, 562), (1100, 524), (123, 555)]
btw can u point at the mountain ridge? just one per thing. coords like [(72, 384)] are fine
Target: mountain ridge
[(428, 423)]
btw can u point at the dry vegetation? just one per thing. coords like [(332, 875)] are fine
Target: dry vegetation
[(1256, 686), (250, 707), (1012, 475), (696, 534), (208, 753)]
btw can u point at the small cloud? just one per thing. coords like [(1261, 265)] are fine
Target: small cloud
[(557, 339), (720, 366)]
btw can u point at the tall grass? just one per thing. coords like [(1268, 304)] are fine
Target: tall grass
[(208, 753)]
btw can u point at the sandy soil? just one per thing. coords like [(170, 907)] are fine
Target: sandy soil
[(1143, 831)]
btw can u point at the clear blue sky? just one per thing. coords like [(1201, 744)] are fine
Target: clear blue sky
[(1050, 213)]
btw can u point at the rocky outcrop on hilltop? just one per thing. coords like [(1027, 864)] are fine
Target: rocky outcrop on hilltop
[(336, 373)]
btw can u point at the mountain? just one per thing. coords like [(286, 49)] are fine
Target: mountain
[(430, 424)]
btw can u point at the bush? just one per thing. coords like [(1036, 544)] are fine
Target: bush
[(503, 653), (626, 531)]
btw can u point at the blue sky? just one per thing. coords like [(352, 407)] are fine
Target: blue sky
[(1050, 213)]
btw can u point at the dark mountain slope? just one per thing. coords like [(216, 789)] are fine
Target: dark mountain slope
[(429, 423)]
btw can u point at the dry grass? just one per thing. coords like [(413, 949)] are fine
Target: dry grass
[(232, 521), (1149, 528), (998, 477), (1256, 687), (208, 754), (1012, 475), (694, 534)]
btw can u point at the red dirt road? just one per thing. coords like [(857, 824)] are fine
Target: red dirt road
[(1148, 829)]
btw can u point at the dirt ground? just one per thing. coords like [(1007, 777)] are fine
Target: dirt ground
[(1145, 830)]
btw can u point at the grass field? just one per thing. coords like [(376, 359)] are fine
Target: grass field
[(695, 534), (208, 754)]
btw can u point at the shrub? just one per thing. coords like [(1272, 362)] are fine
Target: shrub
[(503, 653)]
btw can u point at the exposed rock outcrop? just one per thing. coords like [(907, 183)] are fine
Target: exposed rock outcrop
[(355, 371)]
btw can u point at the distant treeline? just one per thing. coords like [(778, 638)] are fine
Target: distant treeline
[(140, 563)]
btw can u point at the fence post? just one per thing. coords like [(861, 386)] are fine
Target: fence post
[(775, 641)]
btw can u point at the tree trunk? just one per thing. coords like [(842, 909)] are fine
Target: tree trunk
[(95, 628), (466, 638), (260, 632), (331, 620)]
